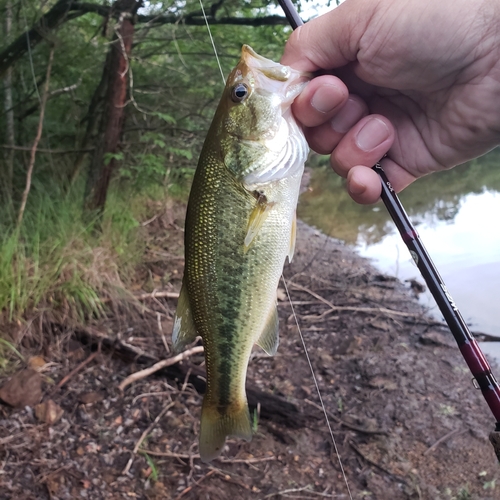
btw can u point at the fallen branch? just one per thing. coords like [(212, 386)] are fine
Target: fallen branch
[(158, 366), (93, 336), (273, 407)]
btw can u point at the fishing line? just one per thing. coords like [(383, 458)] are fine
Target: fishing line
[(318, 389), (213, 43)]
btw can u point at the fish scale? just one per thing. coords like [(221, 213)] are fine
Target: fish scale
[(238, 236)]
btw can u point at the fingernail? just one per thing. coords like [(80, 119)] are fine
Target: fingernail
[(348, 116), (373, 133), (326, 98)]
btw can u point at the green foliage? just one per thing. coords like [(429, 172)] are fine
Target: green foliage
[(152, 466), (6, 349), (58, 260)]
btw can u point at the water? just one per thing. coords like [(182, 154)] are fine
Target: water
[(466, 251), (457, 216)]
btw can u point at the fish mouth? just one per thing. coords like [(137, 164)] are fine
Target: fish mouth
[(274, 76)]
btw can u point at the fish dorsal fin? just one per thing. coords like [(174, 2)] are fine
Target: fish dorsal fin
[(293, 237), (184, 332), (257, 218), (269, 339)]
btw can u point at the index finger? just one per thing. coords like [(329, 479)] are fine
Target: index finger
[(329, 41)]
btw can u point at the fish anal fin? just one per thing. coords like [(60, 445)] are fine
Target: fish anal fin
[(184, 331), (293, 237), (269, 339), (257, 218), (216, 425)]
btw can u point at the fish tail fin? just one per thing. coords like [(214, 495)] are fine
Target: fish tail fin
[(216, 426)]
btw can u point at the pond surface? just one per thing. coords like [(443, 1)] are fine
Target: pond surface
[(457, 215)]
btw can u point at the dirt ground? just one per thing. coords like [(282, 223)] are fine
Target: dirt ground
[(407, 420)]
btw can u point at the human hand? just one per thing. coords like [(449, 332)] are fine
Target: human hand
[(419, 81)]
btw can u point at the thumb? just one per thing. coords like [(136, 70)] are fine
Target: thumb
[(331, 40)]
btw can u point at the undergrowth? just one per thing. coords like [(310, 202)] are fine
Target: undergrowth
[(64, 264)]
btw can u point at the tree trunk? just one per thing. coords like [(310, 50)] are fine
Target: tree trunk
[(9, 115), (116, 75)]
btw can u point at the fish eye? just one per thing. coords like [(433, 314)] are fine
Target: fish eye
[(239, 92)]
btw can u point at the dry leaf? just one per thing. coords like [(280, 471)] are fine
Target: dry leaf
[(88, 398), (48, 412), (23, 389), (36, 362)]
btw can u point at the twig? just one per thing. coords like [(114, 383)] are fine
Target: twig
[(47, 151), (297, 490), (146, 222), (354, 308), (158, 366), (147, 394), (79, 367), (226, 477), (441, 440), (319, 317), (189, 488), (185, 456), (375, 464), (152, 295), (169, 454), (38, 136), (144, 296), (12, 437), (245, 460), (160, 330), (143, 436)]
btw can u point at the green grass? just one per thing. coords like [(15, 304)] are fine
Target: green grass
[(58, 260)]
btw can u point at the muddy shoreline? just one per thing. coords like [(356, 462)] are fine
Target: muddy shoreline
[(407, 420)]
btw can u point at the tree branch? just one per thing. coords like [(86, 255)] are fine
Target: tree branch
[(36, 141), (198, 20), (65, 10)]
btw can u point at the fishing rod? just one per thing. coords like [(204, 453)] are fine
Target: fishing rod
[(471, 352)]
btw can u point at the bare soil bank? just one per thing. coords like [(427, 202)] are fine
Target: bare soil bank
[(407, 420)]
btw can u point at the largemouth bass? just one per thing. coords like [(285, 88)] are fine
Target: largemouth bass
[(240, 227)]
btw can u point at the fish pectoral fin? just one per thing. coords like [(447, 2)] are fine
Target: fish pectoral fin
[(184, 331), (215, 426), (269, 339), (256, 219), (293, 238)]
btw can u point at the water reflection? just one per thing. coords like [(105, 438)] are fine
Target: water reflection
[(456, 214), (435, 198)]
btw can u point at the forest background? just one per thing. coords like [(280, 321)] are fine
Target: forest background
[(105, 108)]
